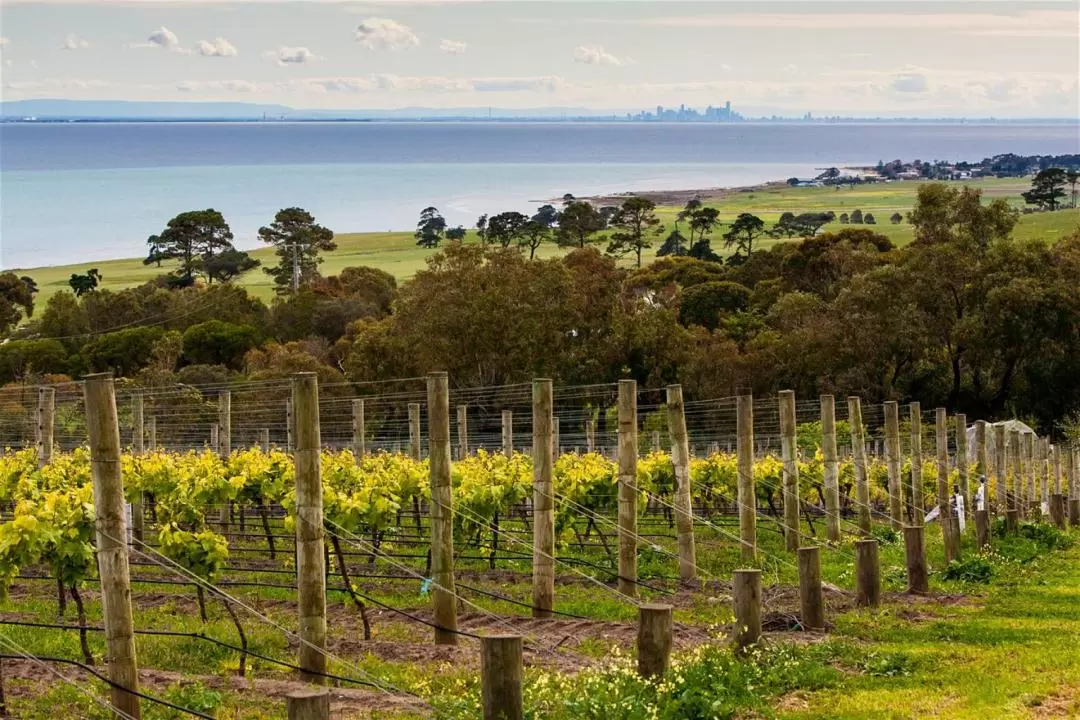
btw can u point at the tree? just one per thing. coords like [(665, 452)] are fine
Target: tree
[(481, 228), (16, 299), (297, 241), (1047, 189), (744, 231), (673, 245), (896, 218), (533, 235), (944, 214), (18, 358), (457, 234), (1072, 177), (868, 219), (86, 282), (578, 222), (193, 238), (844, 219), (804, 224), (856, 217), (546, 215), (702, 250), (227, 265), (430, 229), (702, 222), (635, 225), (704, 303), (506, 228), (219, 343)]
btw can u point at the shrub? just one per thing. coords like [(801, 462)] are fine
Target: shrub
[(702, 304), (885, 535), (975, 569), (219, 343)]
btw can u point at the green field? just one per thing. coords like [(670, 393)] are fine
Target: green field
[(396, 252)]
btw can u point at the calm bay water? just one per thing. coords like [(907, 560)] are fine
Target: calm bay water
[(79, 192)]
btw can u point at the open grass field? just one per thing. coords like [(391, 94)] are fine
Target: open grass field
[(396, 252)]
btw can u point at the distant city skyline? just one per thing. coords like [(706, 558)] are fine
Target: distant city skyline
[(874, 58)]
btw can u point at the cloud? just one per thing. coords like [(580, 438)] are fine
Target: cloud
[(74, 42), (235, 86), (385, 34), (910, 82), (291, 55), (596, 55), (220, 47), (164, 38), (382, 82), (453, 47)]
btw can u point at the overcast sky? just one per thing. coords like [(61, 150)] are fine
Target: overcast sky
[(865, 57)]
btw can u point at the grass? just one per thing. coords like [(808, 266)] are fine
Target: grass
[(397, 253)]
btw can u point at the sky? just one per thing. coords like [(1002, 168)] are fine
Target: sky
[(861, 57)]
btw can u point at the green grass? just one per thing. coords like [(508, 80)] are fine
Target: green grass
[(397, 253)]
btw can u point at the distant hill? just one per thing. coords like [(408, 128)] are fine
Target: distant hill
[(126, 110)]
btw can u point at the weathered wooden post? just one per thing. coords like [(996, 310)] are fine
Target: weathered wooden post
[(502, 671), (789, 453), (867, 574), (1055, 456), (290, 425), (1001, 472), (628, 488), (138, 523), (111, 535), (543, 501), (264, 439), (508, 433), (915, 552), (831, 467), (1027, 474), (308, 704), (1043, 468), (1074, 492), (224, 449), (893, 464), (590, 435), (858, 450), (945, 516), (359, 434), (811, 603), (680, 460), (310, 557), (463, 431), (151, 433), (982, 529), (963, 477), (215, 438), (653, 640), (746, 497), (1013, 451), (918, 510), (442, 505), (746, 596), (556, 441), (46, 410), (415, 451)]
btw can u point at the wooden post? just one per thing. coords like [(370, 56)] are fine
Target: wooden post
[(310, 558), (290, 425), (1055, 455), (680, 460), (309, 704), (264, 439), (590, 435), (858, 449), (1001, 472), (214, 438), (746, 497), (893, 464), (45, 424), (1057, 510), (789, 452), (1024, 483), (359, 439), (414, 431), (952, 543), (508, 433), (138, 523), (628, 488), (556, 441), (656, 441), (915, 550), (543, 500), (831, 467), (442, 503), (867, 574), (917, 507), (151, 433), (1073, 495), (1043, 470), (653, 640), (982, 529), (746, 595), (501, 670), (1012, 451), (963, 478), (811, 602), (463, 431), (112, 553), (224, 448)]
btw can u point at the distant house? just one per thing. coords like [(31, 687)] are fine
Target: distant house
[(808, 183)]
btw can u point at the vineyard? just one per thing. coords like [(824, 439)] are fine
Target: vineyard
[(567, 537)]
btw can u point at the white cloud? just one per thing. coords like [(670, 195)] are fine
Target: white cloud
[(383, 82), (165, 38), (385, 34), (291, 55), (453, 47), (235, 86), (910, 82), (596, 55), (220, 47), (74, 42)]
